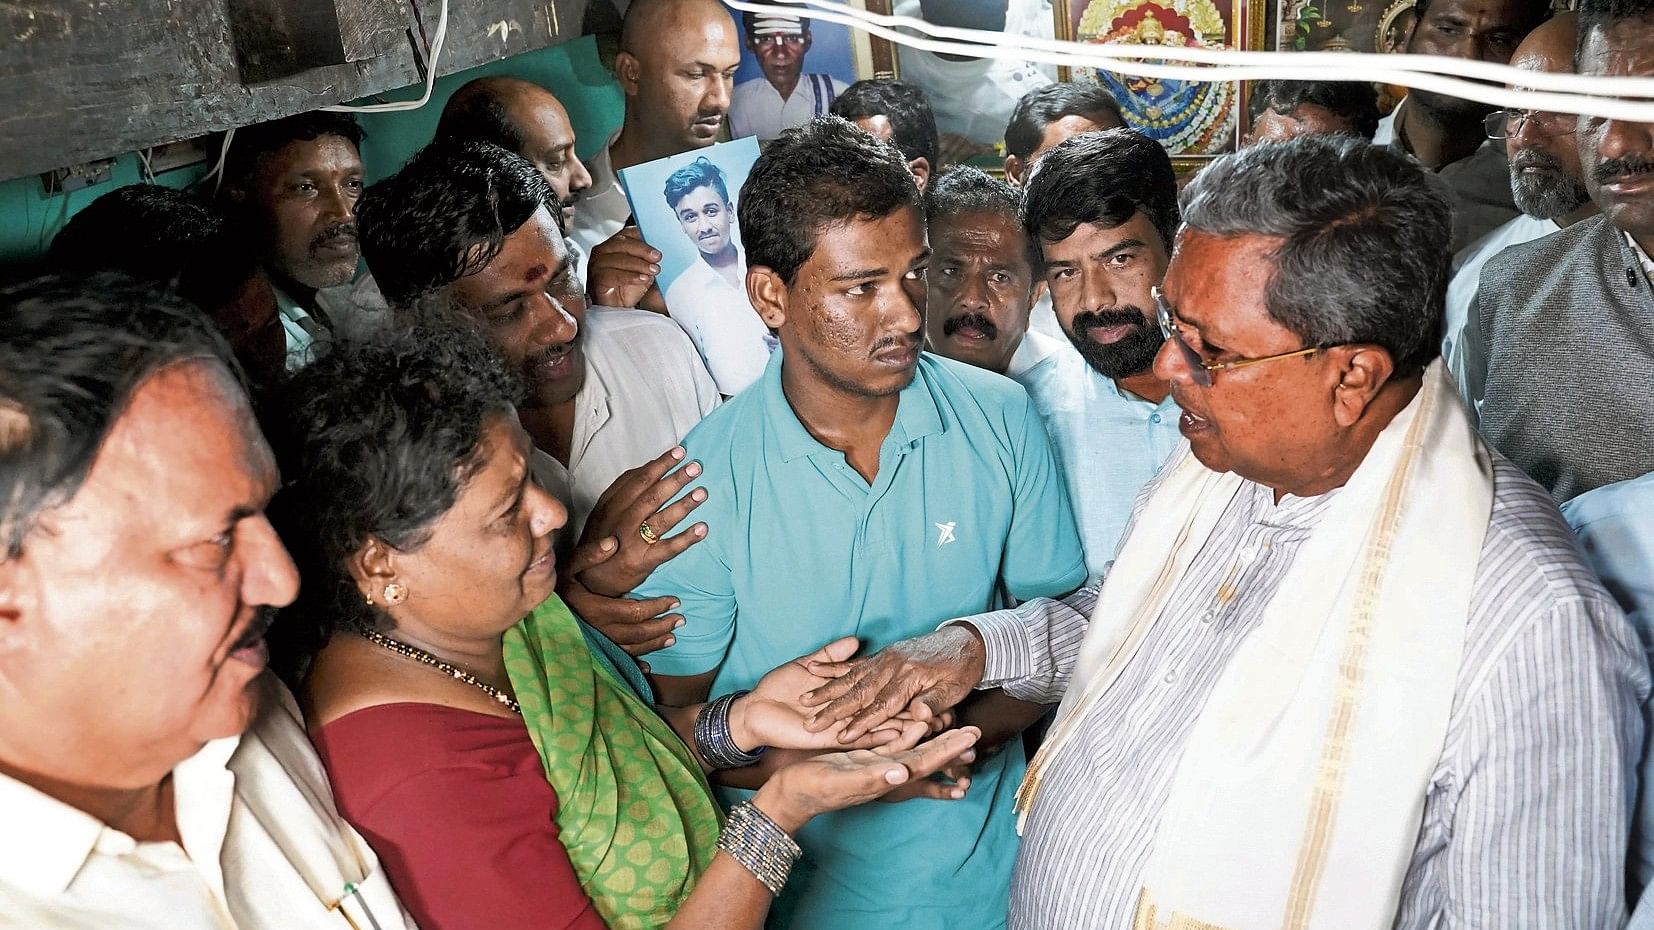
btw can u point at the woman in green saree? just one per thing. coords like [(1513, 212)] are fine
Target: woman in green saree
[(504, 760)]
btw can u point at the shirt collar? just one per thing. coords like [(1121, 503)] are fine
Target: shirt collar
[(917, 414), (1034, 349), (1640, 256), (602, 169), (61, 838)]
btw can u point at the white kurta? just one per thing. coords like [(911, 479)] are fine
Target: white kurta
[(263, 848)]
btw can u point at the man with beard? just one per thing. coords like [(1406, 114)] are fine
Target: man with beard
[(783, 96), (468, 225), (676, 65), (297, 181), (709, 299), (1043, 119), (523, 117), (1545, 180), (864, 488), (153, 776), (1568, 320), (983, 276), (899, 114), (1102, 209), (1446, 133)]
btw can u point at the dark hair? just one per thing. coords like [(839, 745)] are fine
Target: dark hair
[(375, 440), (1043, 106), (252, 144), (699, 173), (912, 122), (963, 190), (168, 237), (73, 351), (1364, 239), (445, 215), (1600, 14), (826, 171), (1352, 101), (1103, 178)]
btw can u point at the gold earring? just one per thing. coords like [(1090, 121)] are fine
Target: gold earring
[(369, 599), (395, 593)]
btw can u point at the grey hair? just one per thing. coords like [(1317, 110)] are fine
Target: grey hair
[(1364, 232)]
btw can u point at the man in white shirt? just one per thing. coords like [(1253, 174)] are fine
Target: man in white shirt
[(709, 298), (784, 96), (972, 97), (676, 65), (466, 225), (1546, 182), (151, 774)]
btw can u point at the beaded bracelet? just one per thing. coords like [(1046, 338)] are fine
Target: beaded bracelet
[(764, 849), (714, 741)]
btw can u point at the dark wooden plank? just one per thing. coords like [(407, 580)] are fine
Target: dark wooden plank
[(88, 79), (371, 27)]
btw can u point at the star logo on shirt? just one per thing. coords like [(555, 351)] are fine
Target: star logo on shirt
[(944, 533)]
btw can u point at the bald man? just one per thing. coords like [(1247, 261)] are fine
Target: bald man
[(525, 118), (677, 66), (1546, 182)]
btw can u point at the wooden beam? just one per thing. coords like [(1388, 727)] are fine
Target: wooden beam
[(89, 79)]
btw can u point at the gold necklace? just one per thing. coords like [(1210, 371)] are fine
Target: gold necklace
[(451, 670)]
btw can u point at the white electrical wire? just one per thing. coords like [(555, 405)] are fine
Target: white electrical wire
[(1565, 93), (431, 61), (218, 170)]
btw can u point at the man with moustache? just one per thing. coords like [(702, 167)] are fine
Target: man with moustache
[(1568, 320), (1545, 180), (709, 299), (1102, 210), (676, 65), (468, 225), (523, 117), (1043, 119), (152, 775), (983, 276), (1446, 133), (899, 114), (296, 181), (864, 487), (783, 96), (1349, 667)]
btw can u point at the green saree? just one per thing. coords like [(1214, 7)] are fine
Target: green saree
[(634, 810)]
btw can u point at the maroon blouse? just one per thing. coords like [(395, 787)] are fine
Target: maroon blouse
[(458, 808)]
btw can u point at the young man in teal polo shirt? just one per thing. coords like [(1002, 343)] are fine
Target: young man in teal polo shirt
[(863, 488)]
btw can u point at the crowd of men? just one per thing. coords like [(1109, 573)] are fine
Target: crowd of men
[(1301, 488)]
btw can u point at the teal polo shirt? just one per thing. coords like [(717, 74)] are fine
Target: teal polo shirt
[(968, 507)]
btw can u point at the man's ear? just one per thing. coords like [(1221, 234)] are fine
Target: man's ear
[(627, 71), (768, 295), (921, 171), (17, 601), (1402, 29), (1013, 170), (1365, 370)]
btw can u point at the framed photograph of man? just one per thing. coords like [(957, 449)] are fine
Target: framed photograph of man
[(685, 207), (1194, 120), (792, 67)]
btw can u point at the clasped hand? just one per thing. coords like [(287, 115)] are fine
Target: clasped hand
[(917, 679)]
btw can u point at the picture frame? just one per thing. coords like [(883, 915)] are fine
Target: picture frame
[(1339, 25), (1196, 121), (832, 57)]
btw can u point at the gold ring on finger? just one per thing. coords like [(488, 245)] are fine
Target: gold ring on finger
[(648, 533)]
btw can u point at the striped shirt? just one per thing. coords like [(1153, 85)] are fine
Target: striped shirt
[(1526, 820)]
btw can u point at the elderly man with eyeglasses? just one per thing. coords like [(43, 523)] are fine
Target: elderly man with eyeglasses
[(1567, 322), (1347, 669), (783, 96), (1545, 181)]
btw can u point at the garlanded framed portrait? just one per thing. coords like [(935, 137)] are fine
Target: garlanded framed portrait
[(792, 67), (1195, 120)]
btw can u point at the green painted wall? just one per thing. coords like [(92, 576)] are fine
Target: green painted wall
[(29, 217)]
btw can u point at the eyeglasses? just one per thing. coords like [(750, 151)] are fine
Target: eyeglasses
[(787, 39), (1199, 367), (1502, 124)]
